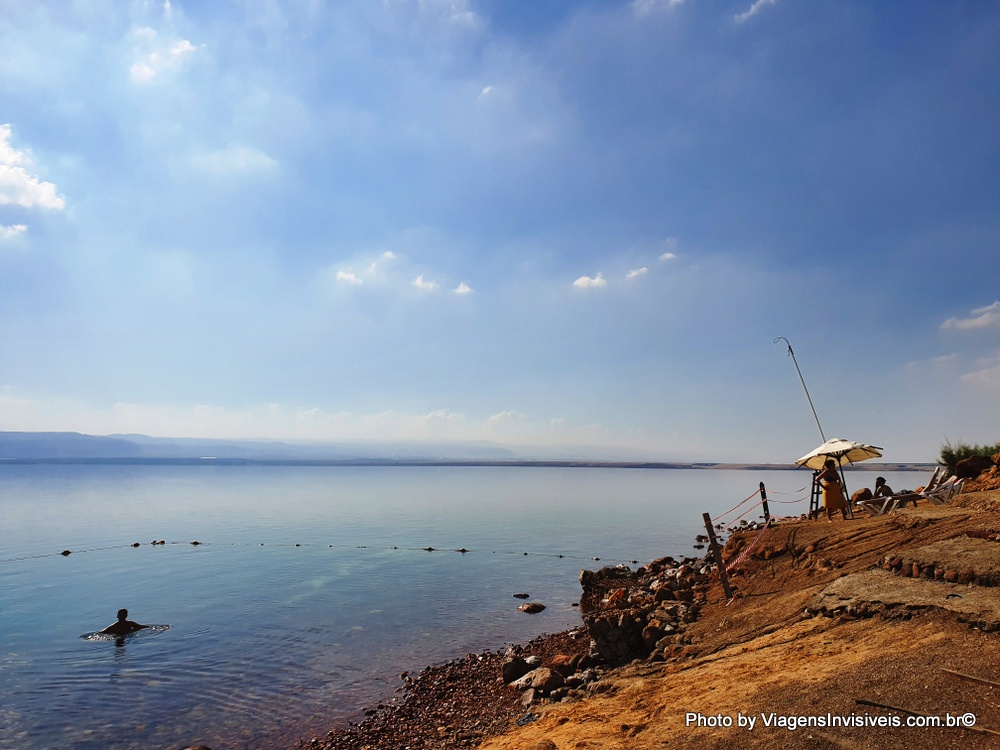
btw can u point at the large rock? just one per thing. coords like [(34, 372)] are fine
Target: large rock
[(972, 467), (546, 680), (514, 669)]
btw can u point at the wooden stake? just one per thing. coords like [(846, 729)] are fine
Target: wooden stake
[(717, 554)]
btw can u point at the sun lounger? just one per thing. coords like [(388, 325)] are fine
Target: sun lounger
[(939, 490), (944, 491)]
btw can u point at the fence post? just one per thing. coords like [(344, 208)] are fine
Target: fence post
[(763, 497), (717, 554)]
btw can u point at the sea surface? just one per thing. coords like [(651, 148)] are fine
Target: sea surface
[(312, 587)]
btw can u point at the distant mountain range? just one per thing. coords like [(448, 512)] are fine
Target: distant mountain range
[(75, 447), (32, 446)]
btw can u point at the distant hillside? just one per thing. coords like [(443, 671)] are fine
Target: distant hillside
[(34, 445), (47, 446)]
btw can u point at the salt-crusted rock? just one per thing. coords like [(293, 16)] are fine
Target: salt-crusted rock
[(532, 607)]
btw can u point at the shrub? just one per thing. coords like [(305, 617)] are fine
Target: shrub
[(952, 454)]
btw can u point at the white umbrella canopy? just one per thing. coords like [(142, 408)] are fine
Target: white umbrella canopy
[(840, 450)]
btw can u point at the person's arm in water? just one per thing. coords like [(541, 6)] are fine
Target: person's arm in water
[(122, 627)]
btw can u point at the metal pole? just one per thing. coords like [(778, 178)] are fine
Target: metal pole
[(802, 380), (717, 554)]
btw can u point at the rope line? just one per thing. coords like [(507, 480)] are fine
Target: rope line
[(463, 551), (750, 510), (746, 550), (751, 497)]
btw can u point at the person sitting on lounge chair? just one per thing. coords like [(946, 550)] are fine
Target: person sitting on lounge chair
[(882, 489)]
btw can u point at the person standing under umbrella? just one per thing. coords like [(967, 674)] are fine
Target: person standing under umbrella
[(833, 492)]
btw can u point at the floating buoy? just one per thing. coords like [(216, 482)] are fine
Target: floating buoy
[(135, 544), (65, 553), (195, 543), (463, 550), (428, 549)]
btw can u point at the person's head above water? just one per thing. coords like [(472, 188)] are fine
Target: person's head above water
[(122, 614)]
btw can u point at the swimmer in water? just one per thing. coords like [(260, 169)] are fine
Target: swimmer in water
[(124, 626)]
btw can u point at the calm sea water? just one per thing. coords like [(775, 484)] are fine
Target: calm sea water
[(311, 589)]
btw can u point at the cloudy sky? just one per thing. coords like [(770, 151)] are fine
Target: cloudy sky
[(542, 224)]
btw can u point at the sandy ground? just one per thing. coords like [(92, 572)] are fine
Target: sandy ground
[(816, 627)]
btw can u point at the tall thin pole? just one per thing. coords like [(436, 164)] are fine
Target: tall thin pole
[(802, 380)]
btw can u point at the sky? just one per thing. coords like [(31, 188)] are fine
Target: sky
[(557, 226)]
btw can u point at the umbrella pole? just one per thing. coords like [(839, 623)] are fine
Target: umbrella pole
[(843, 483), (803, 381)]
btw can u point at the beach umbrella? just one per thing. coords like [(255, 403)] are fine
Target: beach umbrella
[(840, 450)]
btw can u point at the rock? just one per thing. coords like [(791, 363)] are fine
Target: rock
[(565, 664), (523, 682), (529, 697), (520, 596), (546, 679), (972, 467), (532, 607), (543, 745), (513, 669), (533, 661)]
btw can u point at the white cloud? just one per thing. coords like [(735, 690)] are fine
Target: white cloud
[(636, 273), (426, 285), (668, 256), (505, 418), (981, 317), (18, 186), (9, 232), (385, 258), (987, 378), (585, 282), (155, 57), (463, 288), (753, 10), (348, 277)]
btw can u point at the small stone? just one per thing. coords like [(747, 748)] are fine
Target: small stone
[(532, 608)]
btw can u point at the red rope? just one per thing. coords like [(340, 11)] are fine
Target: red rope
[(755, 492), (750, 510), (746, 550)]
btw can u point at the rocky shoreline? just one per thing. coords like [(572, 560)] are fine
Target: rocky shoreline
[(460, 703)]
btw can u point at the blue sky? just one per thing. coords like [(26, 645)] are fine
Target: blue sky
[(544, 224)]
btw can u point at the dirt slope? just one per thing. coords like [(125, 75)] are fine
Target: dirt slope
[(812, 631)]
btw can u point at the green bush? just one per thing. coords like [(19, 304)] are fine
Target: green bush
[(952, 454)]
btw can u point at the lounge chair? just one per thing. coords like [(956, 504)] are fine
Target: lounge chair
[(939, 490)]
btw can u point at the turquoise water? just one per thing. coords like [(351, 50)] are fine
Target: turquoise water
[(311, 589)]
